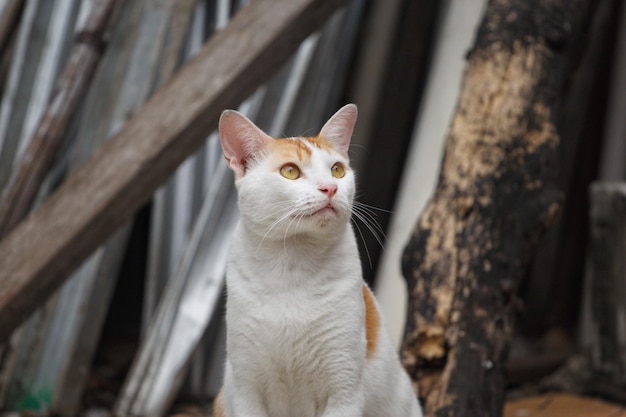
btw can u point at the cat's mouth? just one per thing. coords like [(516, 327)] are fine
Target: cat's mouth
[(328, 208)]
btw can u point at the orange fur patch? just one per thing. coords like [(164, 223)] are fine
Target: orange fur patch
[(372, 321), (296, 148), (290, 148), (218, 407), (319, 142)]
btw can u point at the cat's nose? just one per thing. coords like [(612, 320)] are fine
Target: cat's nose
[(328, 189)]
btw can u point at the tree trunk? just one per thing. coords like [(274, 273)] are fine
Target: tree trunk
[(497, 193)]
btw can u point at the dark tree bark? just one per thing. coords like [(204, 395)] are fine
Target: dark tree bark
[(497, 194)]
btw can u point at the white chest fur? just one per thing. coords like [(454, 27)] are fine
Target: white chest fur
[(294, 322)]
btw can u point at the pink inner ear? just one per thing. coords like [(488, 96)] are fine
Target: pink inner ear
[(338, 129), (241, 140)]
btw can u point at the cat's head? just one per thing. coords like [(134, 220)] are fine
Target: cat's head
[(292, 186)]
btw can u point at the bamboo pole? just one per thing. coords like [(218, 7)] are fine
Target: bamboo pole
[(48, 137)]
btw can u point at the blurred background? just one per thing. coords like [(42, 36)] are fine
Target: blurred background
[(138, 328)]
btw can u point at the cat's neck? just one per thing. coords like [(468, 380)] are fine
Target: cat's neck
[(288, 260), (315, 246)]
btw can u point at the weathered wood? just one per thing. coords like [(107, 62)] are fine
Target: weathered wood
[(9, 11), (48, 137), (39, 254), (156, 53), (189, 301), (46, 33), (22, 65), (496, 195), (608, 288)]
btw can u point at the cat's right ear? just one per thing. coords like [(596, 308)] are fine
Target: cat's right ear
[(338, 129), (241, 140)]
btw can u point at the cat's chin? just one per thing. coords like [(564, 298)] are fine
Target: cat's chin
[(327, 211), (326, 217)]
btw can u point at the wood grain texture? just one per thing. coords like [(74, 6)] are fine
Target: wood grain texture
[(496, 195), (38, 254), (23, 186)]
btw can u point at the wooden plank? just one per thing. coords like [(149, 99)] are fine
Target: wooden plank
[(25, 54), (47, 138), (325, 76), (608, 289), (188, 303), (40, 253), (160, 263), (9, 12), (612, 165), (156, 55), (60, 30), (47, 34)]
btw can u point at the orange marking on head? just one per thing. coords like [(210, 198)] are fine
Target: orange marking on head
[(320, 142), (218, 406), (372, 321), (289, 150)]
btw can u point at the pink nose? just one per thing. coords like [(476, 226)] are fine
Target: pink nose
[(328, 189)]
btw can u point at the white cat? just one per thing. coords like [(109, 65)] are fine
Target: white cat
[(305, 337)]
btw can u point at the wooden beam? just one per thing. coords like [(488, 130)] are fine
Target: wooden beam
[(608, 267), (39, 253)]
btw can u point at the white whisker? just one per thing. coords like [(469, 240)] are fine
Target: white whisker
[(363, 214), (288, 212), (372, 208), (367, 251), (371, 229), (371, 217)]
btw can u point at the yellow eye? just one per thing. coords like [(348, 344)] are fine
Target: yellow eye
[(290, 171), (338, 170)]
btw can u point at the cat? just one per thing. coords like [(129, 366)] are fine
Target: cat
[(305, 337)]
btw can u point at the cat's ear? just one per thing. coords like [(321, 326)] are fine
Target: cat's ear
[(241, 140), (338, 129)]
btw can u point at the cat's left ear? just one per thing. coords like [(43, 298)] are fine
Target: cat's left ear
[(338, 129), (241, 140)]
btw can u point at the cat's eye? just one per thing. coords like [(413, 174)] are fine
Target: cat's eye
[(290, 171), (338, 170)]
